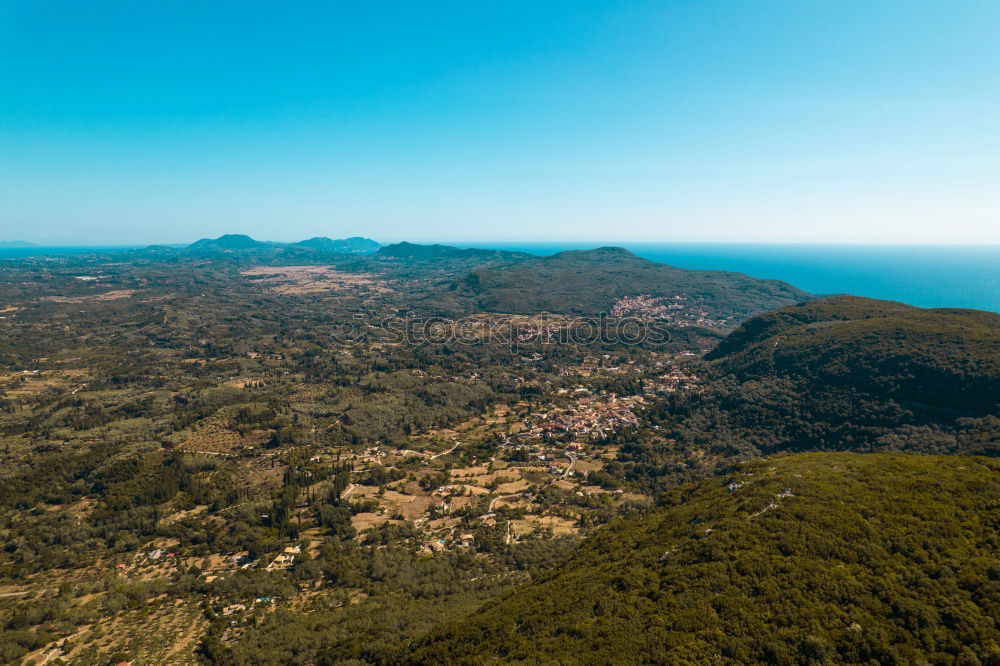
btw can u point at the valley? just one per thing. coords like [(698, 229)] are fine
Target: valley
[(240, 453)]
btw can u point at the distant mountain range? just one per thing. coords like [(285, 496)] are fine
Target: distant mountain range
[(242, 242), (17, 244)]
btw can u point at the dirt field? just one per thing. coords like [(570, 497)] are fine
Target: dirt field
[(215, 438), (313, 279), (37, 381), (410, 506), (363, 521), (556, 524), (114, 295)]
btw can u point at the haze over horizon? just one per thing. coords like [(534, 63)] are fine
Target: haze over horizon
[(848, 122)]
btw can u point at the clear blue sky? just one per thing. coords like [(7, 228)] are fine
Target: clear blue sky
[(701, 120)]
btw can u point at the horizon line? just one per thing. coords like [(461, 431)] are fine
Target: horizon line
[(470, 243)]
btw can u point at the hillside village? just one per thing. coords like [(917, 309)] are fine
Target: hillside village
[(525, 471)]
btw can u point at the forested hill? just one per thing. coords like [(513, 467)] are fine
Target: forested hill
[(835, 374), (806, 558), (934, 358), (590, 282), (417, 252)]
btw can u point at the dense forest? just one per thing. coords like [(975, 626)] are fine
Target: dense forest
[(930, 359)]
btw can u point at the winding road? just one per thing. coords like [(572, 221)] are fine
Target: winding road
[(498, 498), (444, 453), (572, 464)]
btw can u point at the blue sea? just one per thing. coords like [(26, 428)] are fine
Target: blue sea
[(953, 276), (958, 276), (44, 250)]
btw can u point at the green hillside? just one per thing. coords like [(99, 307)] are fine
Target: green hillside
[(590, 282), (417, 252), (815, 558), (837, 374), (939, 358)]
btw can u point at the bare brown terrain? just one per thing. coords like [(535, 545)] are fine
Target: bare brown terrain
[(313, 279)]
